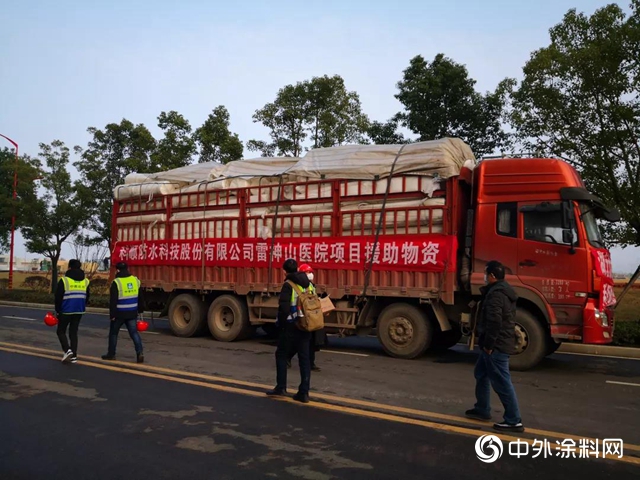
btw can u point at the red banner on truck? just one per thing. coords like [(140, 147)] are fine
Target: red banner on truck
[(602, 262), (426, 253)]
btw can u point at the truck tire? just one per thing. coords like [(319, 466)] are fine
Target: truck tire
[(186, 315), (228, 319), (445, 340), (404, 330), (532, 341)]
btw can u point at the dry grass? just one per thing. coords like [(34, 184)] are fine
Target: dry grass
[(100, 280), (629, 309), (19, 277)]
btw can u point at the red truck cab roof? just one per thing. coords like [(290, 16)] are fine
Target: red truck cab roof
[(523, 178)]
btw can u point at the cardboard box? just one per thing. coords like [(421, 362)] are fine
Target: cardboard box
[(327, 305)]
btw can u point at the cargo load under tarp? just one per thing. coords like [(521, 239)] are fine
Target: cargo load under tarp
[(436, 159)]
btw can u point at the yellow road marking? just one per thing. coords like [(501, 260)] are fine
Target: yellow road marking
[(143, 374), (322, 406), (132, 367)]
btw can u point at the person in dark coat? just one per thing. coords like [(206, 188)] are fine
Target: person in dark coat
[(290, 337), (125, 304), (497, 341), (71, 298), (317, 337)]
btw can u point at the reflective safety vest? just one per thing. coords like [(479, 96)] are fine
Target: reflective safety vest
[(128, 290), (74, 300), (294, 302)]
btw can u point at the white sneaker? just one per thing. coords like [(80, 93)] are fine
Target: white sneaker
[(67, 355), (74, 359)]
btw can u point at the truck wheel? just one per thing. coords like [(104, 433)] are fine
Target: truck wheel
[(404, 331), (228, 319), (444, 340), (186, 315), (531, 341)]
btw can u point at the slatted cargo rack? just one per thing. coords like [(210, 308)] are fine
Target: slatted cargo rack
[(274, 211)]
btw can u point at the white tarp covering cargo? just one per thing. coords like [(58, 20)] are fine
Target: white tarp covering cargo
[(444, 157), (136, 190), (198, 172), (256, 168), (439, 158)]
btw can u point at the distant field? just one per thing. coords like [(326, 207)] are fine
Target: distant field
[(19, 277)]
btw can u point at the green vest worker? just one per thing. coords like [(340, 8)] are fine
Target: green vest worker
[(291, 338), (317, 337), (125, 303), (71, 297)]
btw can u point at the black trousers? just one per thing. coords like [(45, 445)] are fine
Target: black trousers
[(72, 322), (292, 339), (316, 340)]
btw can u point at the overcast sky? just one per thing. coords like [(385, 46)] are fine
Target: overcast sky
[(68, 65)]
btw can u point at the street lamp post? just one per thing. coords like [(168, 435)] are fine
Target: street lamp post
[(13, 216)]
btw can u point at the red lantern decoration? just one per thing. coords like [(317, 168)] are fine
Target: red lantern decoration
[(50, 320), (142, 325)]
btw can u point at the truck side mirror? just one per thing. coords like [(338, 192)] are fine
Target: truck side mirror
[(567, 236), (568, 217)]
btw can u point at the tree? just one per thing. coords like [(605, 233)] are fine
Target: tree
[(285, 118), (386, 133), (27, 173), (59, 212), (334, 114), (320, 109), (266, 149), (216, 142), (178, 146), (90, 253), (440, 100), (579, 100), (112, 154)]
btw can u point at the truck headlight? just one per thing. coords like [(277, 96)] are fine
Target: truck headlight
[(602, 319)]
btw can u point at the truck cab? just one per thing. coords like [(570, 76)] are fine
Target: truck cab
[(536, 216)]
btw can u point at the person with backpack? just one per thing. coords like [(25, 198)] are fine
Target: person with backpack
[(317, 337), (292, 333)]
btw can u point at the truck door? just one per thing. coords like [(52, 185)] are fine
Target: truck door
[(553, 259)]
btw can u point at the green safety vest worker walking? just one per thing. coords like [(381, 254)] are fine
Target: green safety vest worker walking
[(71, 297), (125, 303)]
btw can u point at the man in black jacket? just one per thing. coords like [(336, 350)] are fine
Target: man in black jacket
[(291, 338), (125, 304), (497, 340), (71, 298), (317, 337)]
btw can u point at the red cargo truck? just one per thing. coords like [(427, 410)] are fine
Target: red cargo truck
[(398, 237)]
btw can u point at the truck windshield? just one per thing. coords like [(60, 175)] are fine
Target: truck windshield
[(591, 226)]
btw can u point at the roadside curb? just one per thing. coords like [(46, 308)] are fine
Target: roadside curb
[(606, 350), (44, 306)]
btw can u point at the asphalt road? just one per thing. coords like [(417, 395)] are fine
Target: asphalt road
[(197, 410)]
